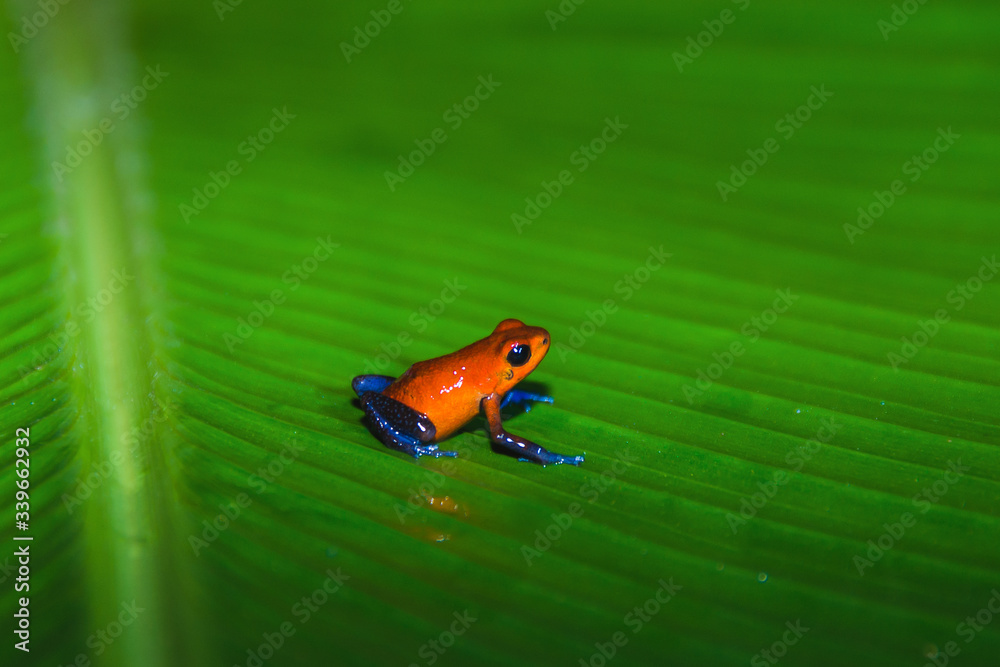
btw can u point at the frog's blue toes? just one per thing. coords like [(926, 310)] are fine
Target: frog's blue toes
[(518, 396), (430, 450), (569, 460), (549, 459)]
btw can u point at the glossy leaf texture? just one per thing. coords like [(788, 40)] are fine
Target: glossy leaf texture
[(214, 215)]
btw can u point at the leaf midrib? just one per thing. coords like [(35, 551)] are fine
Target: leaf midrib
[(79, 58)]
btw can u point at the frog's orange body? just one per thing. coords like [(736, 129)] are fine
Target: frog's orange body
[(449, 389)]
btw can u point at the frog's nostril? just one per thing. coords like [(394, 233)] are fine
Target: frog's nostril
[(545, 341)]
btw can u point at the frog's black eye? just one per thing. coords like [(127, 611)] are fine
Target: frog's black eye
[(519, 355)]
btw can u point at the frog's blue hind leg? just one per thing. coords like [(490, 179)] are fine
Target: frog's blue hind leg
[(400, 427), (518, 396), (396, 425), (376, 383)]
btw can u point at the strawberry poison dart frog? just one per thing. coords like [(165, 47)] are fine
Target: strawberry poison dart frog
[(435, 398)]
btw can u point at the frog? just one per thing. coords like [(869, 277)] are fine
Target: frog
[(433, 399)]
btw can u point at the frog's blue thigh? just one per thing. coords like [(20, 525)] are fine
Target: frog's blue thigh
[(400, 427)]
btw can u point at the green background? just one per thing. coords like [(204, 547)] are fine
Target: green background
[(170, 419)]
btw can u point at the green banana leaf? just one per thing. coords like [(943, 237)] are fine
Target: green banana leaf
[(762, 236)]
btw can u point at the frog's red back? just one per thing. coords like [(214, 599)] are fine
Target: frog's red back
[(449, 389)]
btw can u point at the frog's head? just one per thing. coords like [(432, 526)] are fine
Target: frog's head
[(519, 348)]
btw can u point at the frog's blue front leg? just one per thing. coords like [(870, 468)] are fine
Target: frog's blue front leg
[(518, 396), (513, 445)]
